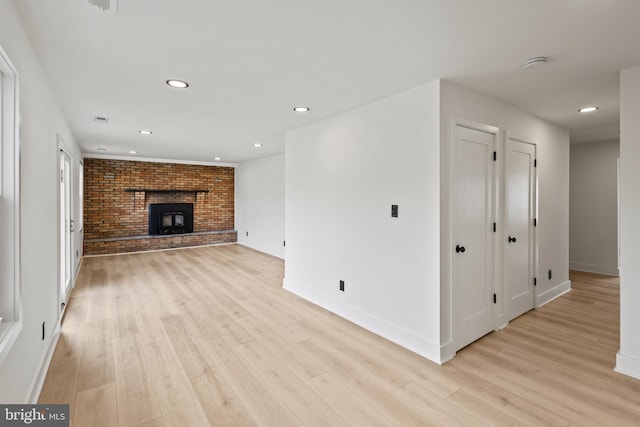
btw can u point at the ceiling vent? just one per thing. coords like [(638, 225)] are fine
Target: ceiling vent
[(536, 62), (110, 6)]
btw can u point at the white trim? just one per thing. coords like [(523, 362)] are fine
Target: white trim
[(10, 158), (9, 332), (521, 138), (473, 125), (551, 294), (77, 272), (38, 381), (606, 270), (447, 353), (394, 333), (156, 160), (627, 365)]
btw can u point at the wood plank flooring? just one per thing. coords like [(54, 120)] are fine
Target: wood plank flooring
[(207, 336)]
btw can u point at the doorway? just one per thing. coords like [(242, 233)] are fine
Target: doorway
[(65, 228), (519, 237), (474, 206), (494, 247)]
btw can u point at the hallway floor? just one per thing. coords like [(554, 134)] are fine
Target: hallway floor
[(207, 336)]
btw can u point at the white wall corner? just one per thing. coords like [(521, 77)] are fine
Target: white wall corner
[(627, 365), (38, 381), (404, 338), (447, 352), (553, 293)]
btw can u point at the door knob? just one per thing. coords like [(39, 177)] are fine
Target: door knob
[(512, 239), (460, 249)]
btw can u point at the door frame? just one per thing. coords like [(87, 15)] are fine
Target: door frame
[(513, 136), (495, 131), (62, 148)]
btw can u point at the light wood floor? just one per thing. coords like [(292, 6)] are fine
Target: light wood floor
[(206, 336)]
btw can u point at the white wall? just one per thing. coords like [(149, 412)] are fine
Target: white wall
[(41, 121), (628, 358), (553, 190), (259, 207), (593, 220), (342, 176)]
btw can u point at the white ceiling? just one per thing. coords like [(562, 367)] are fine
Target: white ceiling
[(249, 62)]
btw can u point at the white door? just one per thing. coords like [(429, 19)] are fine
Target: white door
[(519, 239), (473, 235), (66, 228)]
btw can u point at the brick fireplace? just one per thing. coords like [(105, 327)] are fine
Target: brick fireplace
[(119, 195)]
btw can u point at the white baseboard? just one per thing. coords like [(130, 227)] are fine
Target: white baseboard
[(38, 381), (606, 270), (627, 365), (404, 338), (553, 293), (447, 353)]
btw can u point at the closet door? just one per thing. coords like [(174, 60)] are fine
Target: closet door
[(519, 239), (473, 237)]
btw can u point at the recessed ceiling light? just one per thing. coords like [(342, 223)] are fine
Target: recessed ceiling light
[(534, 62), (101, 149), (145, 132), (217, 159), (177, 83), (301, 109), (589, 109), (133, 152), (257, 145)]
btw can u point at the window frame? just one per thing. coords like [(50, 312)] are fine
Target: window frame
[(10, 296)]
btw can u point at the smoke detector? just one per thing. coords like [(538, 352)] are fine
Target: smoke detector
[(110, 6), (534, 62)]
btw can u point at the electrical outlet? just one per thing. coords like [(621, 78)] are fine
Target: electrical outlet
[(394, 211), (247, 234), (342, 285)]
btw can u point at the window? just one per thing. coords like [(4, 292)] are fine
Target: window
[(10, 319)]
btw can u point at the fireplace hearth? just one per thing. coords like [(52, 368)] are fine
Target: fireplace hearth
[(170, 218)]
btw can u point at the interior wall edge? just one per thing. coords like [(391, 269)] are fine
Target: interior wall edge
[(627, 365), (404, 338)]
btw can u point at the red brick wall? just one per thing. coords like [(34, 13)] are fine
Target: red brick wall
[(112, 212)]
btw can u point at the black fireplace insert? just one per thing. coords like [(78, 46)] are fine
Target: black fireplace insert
[(170, 218)]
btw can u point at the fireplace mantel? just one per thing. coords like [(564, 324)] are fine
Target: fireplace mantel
[(153, 190)]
